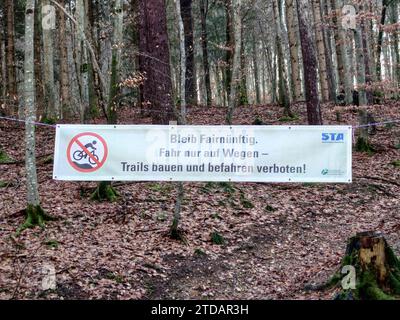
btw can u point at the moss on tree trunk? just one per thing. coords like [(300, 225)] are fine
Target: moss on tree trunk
[(35, 216), (377, 269), (105, 192), (362, 144)]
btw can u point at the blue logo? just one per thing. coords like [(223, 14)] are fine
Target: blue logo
[(333, 138)]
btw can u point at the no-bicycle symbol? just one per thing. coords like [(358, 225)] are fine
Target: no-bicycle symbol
[(87, 152)]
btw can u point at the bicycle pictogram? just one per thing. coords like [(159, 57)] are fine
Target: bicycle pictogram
[(87, 152)]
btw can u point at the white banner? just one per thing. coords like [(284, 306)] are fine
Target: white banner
[(203, 153)]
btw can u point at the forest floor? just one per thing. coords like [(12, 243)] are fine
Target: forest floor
[(278, 237)]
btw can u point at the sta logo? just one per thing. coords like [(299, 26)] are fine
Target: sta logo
[(333, 138)]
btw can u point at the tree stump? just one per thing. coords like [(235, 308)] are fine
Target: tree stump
[(377, 269)]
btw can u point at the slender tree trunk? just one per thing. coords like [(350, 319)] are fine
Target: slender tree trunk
[(367, 58), (282, 85), (204, 43), (360, 62), (64, 74), (105, 191), (229, 45), (117, 42), (174, 231), (396, 43), (237, 23), (345, 82), (82, 57), (3, 81), (190, 84), (256, 68), (293, 31), (328, 53), (380, 41), (183, 58), (10, 52), (91, 74), (310, 66), (320, 45), (40, 105), (372, 43), (34, 212), (243, 97), (386, 58), (29, 97), (51, 106), (271, 69), (263, 78)]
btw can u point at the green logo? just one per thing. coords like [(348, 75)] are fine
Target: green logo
[(325, 172)]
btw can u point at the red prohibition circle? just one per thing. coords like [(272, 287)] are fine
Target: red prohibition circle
[(74, 139)]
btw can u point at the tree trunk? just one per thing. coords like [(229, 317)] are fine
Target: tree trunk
[(51, 111), (154, 45), (91, 74), (113, 96), (360, 62), (229, 45), (377, 269), (204, 44), (380, 41), (328, 52), (320, 45), (10, 53), (310, 67), (35, 214), (396, 44), (3, 81), (175, 232), (345, 82), (104, 190), (183, 63), (235, 81), (40, 105), (282, 85), (362, 144), (82, 59), (367, 59), (293, 30), (29, 97), (190, 83), (256, 69), (243, 97), (372, 43), (64, 74)]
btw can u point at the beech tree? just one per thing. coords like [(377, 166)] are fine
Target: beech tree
[(293, 31), (235, 81), (35, 215), (12, 91)]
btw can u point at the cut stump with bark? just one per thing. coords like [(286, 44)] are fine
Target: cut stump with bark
[(377, 269)]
